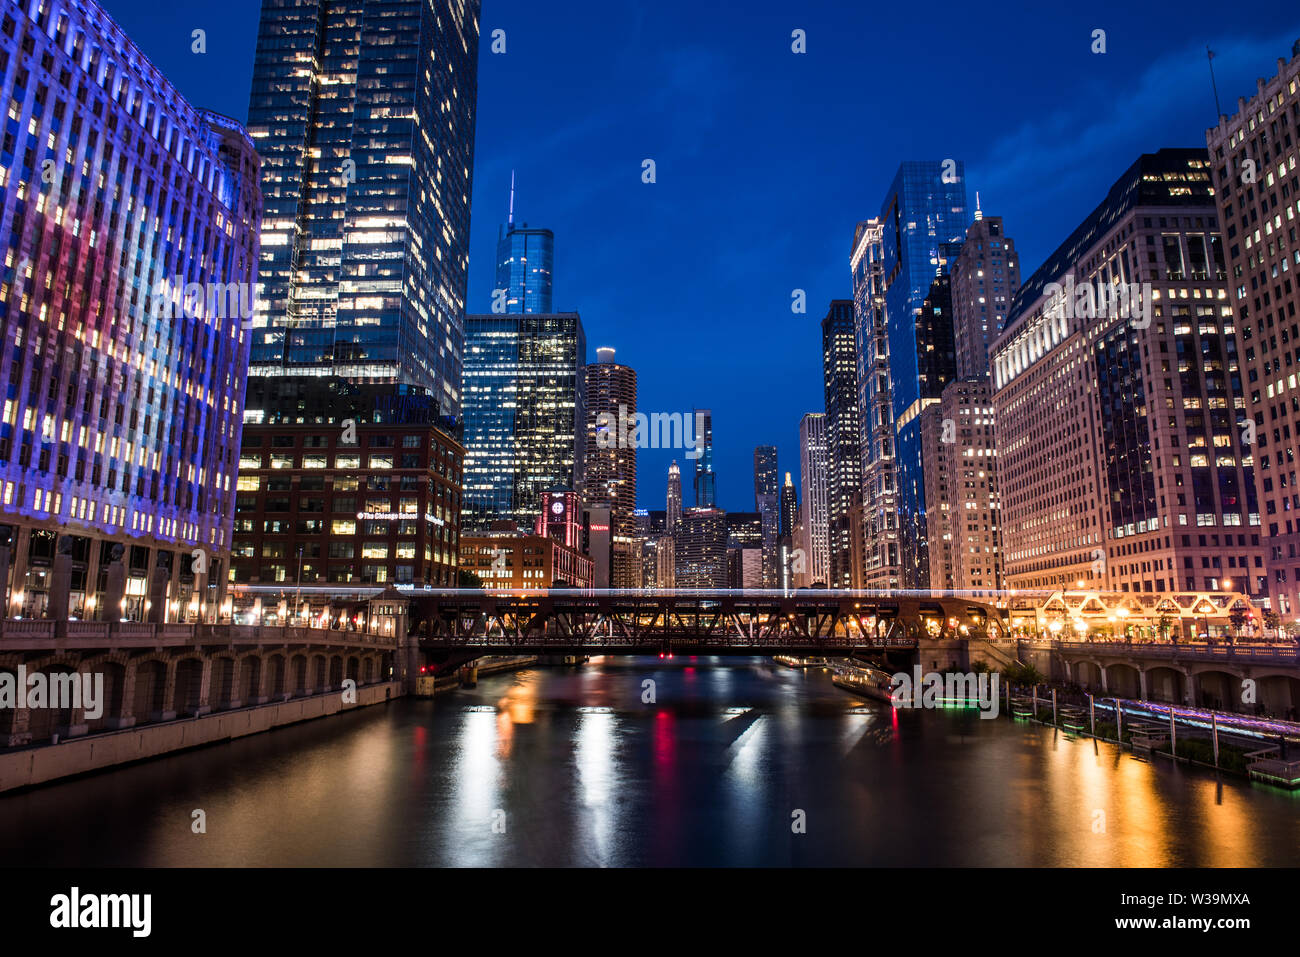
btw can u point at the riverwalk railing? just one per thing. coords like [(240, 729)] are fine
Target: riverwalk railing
[(1215, 739), (1262, 653)]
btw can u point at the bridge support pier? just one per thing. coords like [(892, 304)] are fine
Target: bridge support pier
[(1142, 684)]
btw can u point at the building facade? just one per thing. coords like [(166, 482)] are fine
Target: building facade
[(877, 544), (125, 315), (961, 490), (525, 268), (363, 113), (706, 482), (1120, 462), (700, 549), (843, 437), (343, 483), (814, 483), (985, 279), (923, 215), (525, 413), (610, 474), (1257, 188), (673, 514), (509, 558)]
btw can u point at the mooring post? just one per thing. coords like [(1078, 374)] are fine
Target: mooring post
[(1214, 734), (1092, 713), (1053, 706), (1119, 723)]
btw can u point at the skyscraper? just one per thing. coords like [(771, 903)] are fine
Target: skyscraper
[(124, 312), (1253, 159), (706, 482), (525, 265), (843, 437), (877, 541), (700, 549), (525, 413), (924, 211), (765, 474), (1120, 460), (789, 506), (363, 113), (610, 474), (767, 503), (985, 278), (813, 479), (674, 515)]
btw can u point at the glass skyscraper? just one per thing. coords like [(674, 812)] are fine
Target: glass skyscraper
[(922, 215), (363, 113), (525, 262), (706, 482), (525, 413)]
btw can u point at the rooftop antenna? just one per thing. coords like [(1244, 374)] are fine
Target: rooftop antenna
[(1209, 56), (979, 214), (511, 221)]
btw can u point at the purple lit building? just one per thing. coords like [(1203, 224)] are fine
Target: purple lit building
[(130, 225)]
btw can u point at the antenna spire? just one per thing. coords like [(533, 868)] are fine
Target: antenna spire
[(979, 213), (511, 221), (1209, 56)]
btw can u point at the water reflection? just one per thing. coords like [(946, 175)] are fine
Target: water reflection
[(572, 767)]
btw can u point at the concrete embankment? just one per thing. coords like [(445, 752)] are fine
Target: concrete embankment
[(39, 765)]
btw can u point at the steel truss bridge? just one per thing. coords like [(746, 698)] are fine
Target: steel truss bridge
[(810, 622)]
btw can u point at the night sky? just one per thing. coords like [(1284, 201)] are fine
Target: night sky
[(766, 159)]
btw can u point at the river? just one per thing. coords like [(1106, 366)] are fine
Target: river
[(735, 762)]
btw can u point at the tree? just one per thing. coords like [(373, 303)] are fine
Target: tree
[(1024, 675), (467, 579), (1238, 619), (1271, 621), (1163, 624)]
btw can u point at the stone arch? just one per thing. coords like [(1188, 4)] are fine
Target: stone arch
[(353, 669), (1087, 675), (114, 689), (250, 679), (8, 716), (150, 698), (1278, 694), (1217, 689), (276, 672), (318, 665), (1122, 679), (221, 690), (188, 691), (367, 670), (1167, 684), (46, 721), (298, 674), (336, 671)]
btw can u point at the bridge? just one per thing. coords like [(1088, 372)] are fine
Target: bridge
[(461, 623)]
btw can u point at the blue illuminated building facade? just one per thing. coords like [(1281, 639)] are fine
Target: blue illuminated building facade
[(923, 216), (525, 414), (131, 225), (525, 267)]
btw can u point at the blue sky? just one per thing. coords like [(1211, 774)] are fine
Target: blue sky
[(766, 158)]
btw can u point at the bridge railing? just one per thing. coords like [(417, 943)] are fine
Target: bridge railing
[(37, 632), (1288, 654)]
